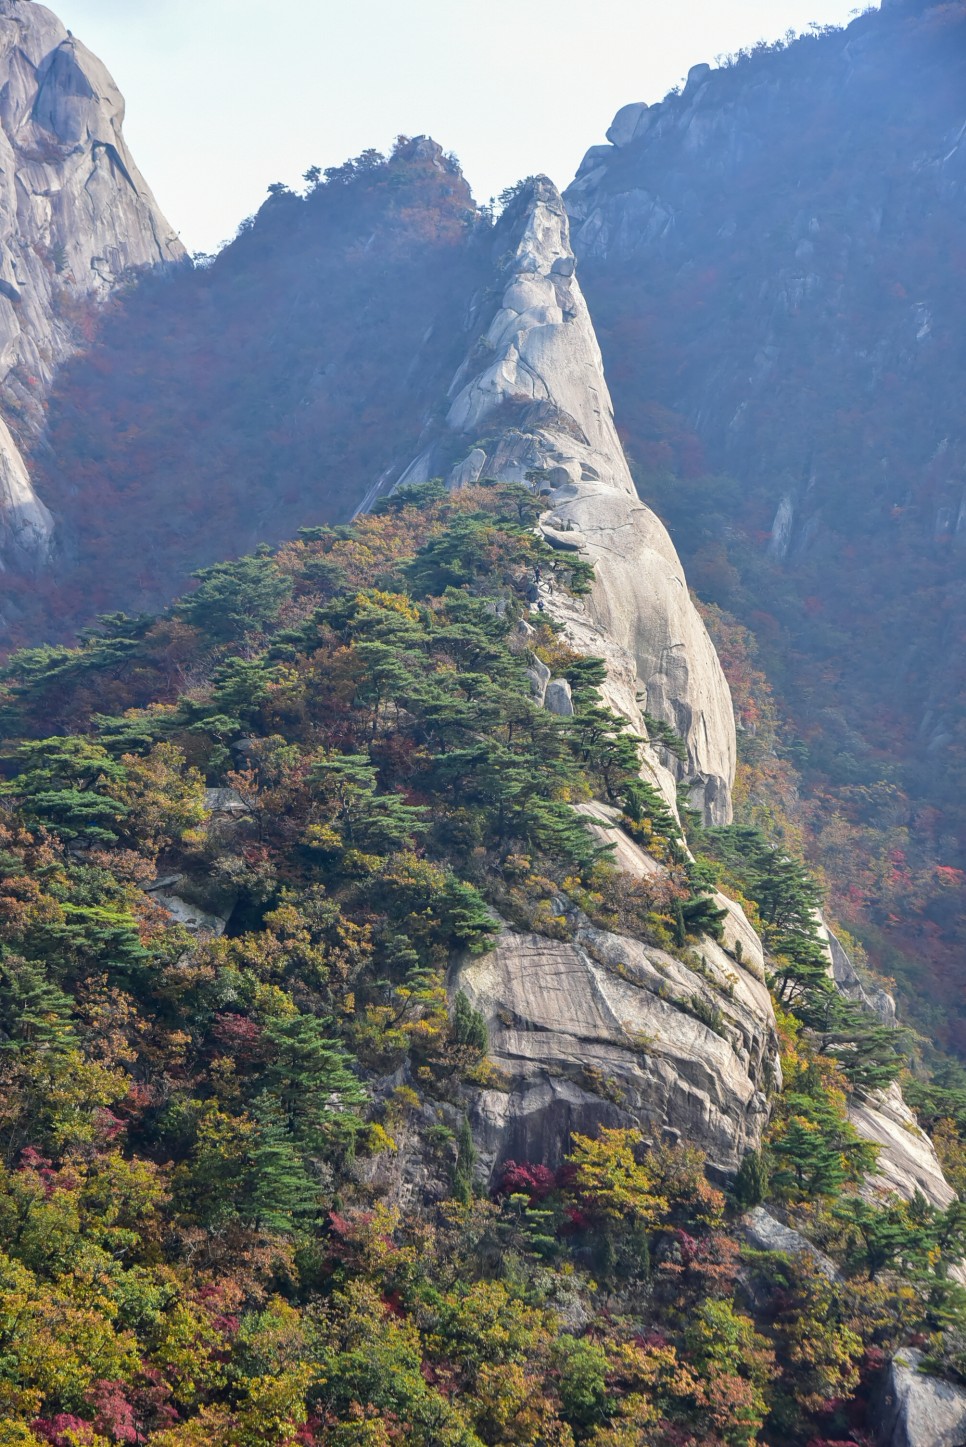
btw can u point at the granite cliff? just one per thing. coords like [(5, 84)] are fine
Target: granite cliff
[(602, 1029), (76, 217), (773, 258), (530, 399)]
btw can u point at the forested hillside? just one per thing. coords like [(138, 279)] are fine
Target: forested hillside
[(229, 403), (240, 1202), (775, 263)]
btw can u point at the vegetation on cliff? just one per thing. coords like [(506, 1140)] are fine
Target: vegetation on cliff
[(206, 1137)]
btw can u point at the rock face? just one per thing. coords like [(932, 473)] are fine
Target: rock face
[(907, 1160), (602, 1030), (907, 1157), (75, 216), (915, 1410), (598, 1029), (531, 397), (765, 1232)]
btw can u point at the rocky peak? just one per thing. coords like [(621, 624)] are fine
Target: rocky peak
[(75, 216), (531, 397)]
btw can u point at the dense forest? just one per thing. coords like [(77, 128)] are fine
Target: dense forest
[(775, 270), (239, 1198), (218, 405)]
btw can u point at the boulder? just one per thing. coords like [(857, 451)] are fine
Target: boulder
[(469, 470), (765, 1232), (697, 76), (200, 921), (559, 699), (600, 1029), (539, 675), (917, 1410), (226, 801), (627, 123)]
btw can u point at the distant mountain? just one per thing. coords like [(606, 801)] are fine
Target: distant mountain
[(231, 403), (76, 218), (775, 260)]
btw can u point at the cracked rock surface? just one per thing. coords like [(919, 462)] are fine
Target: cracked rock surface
[(531, 396)]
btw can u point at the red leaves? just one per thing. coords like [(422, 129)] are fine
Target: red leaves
[(524, 1179), (64, 1430), (115, 1415)]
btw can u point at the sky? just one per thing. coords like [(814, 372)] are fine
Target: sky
[(225, 97)]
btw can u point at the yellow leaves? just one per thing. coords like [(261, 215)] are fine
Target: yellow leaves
[(322, 836), (186, 1348), (165, 799), (612, 1182), (546, 922), (62, 1091), (507, 1406), (378, 1140), (54, 1345), (373, 600), (951, 1149)]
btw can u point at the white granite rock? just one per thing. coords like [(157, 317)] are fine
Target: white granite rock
[(916, 1410), (558, 698), (540, 361), (626, 125), (603, 1030), (75, 217), (907, 1157), (766, 1233)]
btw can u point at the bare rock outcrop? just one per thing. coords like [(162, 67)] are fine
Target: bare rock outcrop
[(916, 1410), (75, 217), (601, 1029), (531, 398), (907, 1161)]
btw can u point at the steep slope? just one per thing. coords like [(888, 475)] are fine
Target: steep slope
[(75, 218), (530, 399), (232, 403), (774, 261), (601, 1029)]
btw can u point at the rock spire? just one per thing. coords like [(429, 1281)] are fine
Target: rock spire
[(531, 398)]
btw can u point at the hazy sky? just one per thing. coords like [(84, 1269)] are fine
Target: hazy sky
[(226, 96)]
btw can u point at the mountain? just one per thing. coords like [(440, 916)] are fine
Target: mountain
[(76, 217), (393, 1026), (774, 261), (233, 402), (417, 1021)]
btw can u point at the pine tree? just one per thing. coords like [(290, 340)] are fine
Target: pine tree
[(63, 784), (750, 1186), (465, 1162), (279, 1192), (233, 599), (311, 1078), (469, 1025), (34, 1011)]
